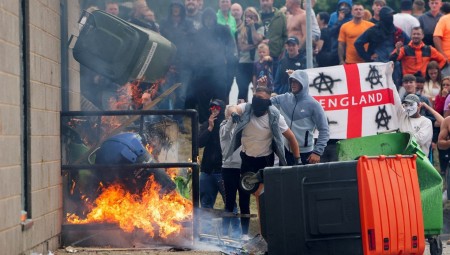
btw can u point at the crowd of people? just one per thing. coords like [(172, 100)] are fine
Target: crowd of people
[(264, 49)]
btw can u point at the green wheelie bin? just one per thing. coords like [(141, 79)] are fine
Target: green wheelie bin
[(430, 180), (122, 51)]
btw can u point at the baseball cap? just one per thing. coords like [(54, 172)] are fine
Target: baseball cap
[(411, 98), (292, 39), (406, 5)]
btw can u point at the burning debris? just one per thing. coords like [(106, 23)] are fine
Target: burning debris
[(141, 200), (155, 214)]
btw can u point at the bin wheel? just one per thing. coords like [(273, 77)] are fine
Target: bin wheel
[(247, 183), (435, 245)]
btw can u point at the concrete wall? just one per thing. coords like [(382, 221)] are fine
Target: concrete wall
[(45, 105)]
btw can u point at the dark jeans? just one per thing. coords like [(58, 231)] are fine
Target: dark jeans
[(290, 159), (231, 178), (243, 78), (210, 185), (251, 164)]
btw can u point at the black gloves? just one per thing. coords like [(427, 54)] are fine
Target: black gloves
[(235, 117)]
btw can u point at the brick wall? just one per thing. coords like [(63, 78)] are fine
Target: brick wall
[(45, 105)]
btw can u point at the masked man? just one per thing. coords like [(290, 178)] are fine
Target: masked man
[(304, 115), (410, 121), (260, 129)]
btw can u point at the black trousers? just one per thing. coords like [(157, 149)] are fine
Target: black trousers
[(230, 177), (243, 78), (251, 164), (290, 159)]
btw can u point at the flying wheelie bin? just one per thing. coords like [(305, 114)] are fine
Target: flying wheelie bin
[(122, 51), (430, 180)]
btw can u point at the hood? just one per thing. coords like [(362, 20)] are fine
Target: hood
[(302, 77), (385, 12), (387, 19), (179, 3), (349, 2), (222, 105), (209, 12)]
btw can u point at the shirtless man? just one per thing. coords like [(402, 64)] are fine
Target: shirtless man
[(296, 20), (444, 144), (444, 135)]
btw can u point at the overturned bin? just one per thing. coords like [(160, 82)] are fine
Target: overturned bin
[(430, 180), (343, 208)]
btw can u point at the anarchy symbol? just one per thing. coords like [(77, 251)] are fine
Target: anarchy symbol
[(374, 77), (331, 122), (382, 118), (323, 82)]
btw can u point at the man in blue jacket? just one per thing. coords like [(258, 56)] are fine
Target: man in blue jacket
[(304, 115), (341, 16), (293, 61)]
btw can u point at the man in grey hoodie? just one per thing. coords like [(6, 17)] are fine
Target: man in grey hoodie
[(304, 115)]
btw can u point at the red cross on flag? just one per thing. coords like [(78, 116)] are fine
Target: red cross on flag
[(358, 99)]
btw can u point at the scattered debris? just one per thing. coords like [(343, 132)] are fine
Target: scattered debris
[(71, 249)]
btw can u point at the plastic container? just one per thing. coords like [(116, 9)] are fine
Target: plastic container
[(391, 211), (311, 209), (122, 51), (430, 181)]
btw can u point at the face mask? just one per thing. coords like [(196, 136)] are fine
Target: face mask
[(260, 106), (411, 108), (388, 20)]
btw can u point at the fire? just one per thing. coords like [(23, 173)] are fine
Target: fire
[(155, 214), (172, 172), (149, 148), (135, 94)]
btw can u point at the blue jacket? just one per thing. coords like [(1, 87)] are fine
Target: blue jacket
[(277, 142), (334, 15), (380, 42), (281, 82), (304, 114)]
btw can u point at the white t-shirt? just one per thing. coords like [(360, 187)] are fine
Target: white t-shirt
[(406, 22), (257, 137)]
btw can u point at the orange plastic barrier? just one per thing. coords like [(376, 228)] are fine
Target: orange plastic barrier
[(390, 205)]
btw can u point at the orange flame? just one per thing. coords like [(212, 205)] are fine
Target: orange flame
[(172, 172), (150, 211), (133, 95), (149, 148)]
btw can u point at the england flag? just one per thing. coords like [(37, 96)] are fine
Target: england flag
[(358, 99)]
